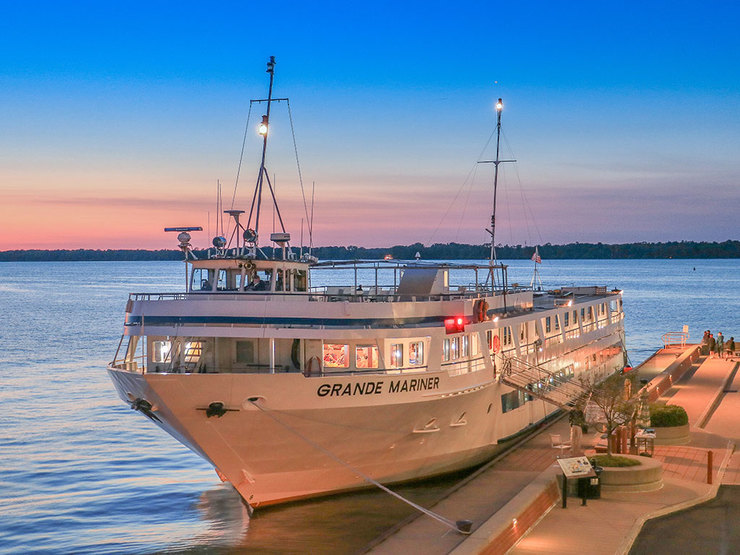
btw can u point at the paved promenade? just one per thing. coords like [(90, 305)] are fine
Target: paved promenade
[(516, 497), (611, 524)]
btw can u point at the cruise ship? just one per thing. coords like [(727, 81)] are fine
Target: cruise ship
[(297, 378)]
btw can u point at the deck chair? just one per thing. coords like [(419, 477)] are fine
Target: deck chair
[(556, 443)]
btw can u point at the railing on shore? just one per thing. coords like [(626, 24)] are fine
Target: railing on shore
[(675, 339)]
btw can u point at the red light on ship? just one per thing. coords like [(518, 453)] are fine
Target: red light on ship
[(455, 325)]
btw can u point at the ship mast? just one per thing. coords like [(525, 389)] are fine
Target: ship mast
[(496, 162), (251, 235)]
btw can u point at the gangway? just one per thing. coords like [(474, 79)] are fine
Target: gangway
[(557, 388)]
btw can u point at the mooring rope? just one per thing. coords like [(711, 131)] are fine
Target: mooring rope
[(462, 526)]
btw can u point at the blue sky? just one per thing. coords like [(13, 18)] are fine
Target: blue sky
[(624, 118)]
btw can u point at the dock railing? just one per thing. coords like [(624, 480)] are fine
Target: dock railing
[(675, 339)]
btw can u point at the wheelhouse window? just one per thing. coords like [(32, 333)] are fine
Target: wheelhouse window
[(397, 355), (446, 350), (565, 319), (416, 353), (557, 322), (366, 356), (202, 279), (547, 325), (336, 355), (279, 281), (464, 346)]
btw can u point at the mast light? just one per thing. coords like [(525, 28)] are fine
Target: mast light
[(263, 126), (499, 105)]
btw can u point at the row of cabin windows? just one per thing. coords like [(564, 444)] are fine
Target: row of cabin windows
[(337, 355), (587, 315)]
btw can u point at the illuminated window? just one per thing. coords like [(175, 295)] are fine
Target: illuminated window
[(455, 348), (416, 353), (446, 350), (161, 351), (474, 348), (397, 355), (366, 356), (464, 346), (336, 355), (245, 352)]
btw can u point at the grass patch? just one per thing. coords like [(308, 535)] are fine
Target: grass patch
[(615, 461)]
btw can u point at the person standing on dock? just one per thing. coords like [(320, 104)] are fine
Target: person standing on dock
[(720, 344), (712, 346), (731, 348)]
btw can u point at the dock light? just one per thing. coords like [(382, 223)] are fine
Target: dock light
[(455, 325), (263, 126), (499, 105)]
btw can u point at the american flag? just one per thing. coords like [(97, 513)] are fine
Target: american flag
[(536, 256)]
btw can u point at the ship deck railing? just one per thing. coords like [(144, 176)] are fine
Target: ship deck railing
[(331, 294)]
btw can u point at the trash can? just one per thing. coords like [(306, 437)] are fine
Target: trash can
[(590, 488)]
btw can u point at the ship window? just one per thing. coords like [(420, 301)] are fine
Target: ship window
[(489, 338), (366, 356), (245, 352), (416, 353), (465, 346), (557, 322), (512, 400), (507, 335), (202, 279), (279, 281), (522, 333), (161, 351), (336, 355), (288, 279), (547, 325), (575, 317), (565, 319), (222, 285), (474, 349), (446, 350), (397, 355), (455, 348), (300, 283)]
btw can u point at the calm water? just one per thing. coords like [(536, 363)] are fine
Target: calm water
[(81, 472)]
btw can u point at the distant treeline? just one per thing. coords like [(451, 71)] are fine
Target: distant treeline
[(438, 251)]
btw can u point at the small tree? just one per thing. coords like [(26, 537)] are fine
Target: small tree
[(608, 398)]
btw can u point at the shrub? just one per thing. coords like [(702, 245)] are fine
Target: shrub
[(615, 461), (666, 416)]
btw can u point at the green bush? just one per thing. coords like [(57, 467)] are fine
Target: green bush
[(615, 461), (666, 416)]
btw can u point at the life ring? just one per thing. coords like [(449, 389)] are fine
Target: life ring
[(495, 344), (313, 361)]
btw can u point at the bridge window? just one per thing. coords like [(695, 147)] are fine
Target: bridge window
[(446, 350), (547, 325), (565, 319), (299, 280), (557, 322)]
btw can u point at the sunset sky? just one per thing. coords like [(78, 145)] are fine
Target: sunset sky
[(117, 119)]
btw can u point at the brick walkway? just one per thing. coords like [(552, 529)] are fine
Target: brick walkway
[(688, 463)]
